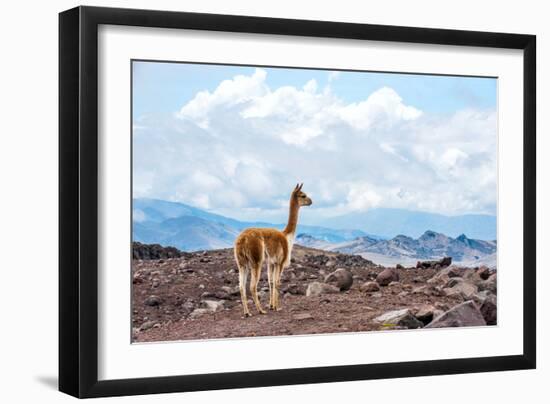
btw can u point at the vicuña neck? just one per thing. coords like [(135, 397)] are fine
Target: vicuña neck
[(292, 218)]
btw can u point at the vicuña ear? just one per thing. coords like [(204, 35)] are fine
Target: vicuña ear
[(300, 187), (296, 187)]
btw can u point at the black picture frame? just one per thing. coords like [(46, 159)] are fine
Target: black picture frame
[(78, 200)]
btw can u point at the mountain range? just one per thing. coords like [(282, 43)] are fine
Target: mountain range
[(407, 250), (191, 229)]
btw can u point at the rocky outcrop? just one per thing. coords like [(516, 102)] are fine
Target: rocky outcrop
[(153, 251), (437, 264)]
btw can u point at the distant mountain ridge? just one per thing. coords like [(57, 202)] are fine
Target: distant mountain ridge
[(406, 250), (192, 229)]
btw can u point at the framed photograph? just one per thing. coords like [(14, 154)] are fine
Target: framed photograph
[(249, 201)]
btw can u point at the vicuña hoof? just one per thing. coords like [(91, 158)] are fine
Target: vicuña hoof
[(247, 315)]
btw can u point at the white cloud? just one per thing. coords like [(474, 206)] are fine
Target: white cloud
[(230, 92), (240, 149), (384, 107)]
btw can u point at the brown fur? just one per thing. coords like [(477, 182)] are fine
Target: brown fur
[(254, 245)]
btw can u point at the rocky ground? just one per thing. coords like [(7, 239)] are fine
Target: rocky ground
[(184, 296)]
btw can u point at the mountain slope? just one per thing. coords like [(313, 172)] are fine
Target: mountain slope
[(187, 233), (191, 229)]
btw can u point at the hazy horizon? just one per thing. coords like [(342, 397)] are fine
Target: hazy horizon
[(410, 223)]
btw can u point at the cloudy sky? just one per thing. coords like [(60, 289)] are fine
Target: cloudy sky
[(235, 140)]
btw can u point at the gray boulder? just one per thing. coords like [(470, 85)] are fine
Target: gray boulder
[(463, 315), (387, 276), (319, 288), (341, 278), (400, 319), (460, 287)]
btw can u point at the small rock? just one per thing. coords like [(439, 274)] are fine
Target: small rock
[(480, 297), (153, 301), (399, 318), (453, 282), (221, 295), (294, 289), (462, 288), (188, 305), (341, 278), (425, 313), (386, 276), (318, 288), (463, 315), (489, 310), (394, 283), (232, 291), (483, 272), (453, 272), (369, 287), (147, 325), (212, 305), (473, 277), (399, 266), (302, 316), (490, 284)]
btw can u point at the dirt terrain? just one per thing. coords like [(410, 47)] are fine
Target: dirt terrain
[(187, 296)]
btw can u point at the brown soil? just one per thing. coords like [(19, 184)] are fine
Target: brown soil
[(175, 287)]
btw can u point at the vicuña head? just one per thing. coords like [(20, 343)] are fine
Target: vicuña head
[(254, 245)]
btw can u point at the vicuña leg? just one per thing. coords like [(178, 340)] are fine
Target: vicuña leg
[(243, 275), (270, 272), (276, 285), (254, 279)]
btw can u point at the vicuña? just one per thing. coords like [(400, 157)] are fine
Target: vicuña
[(254, 245)]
